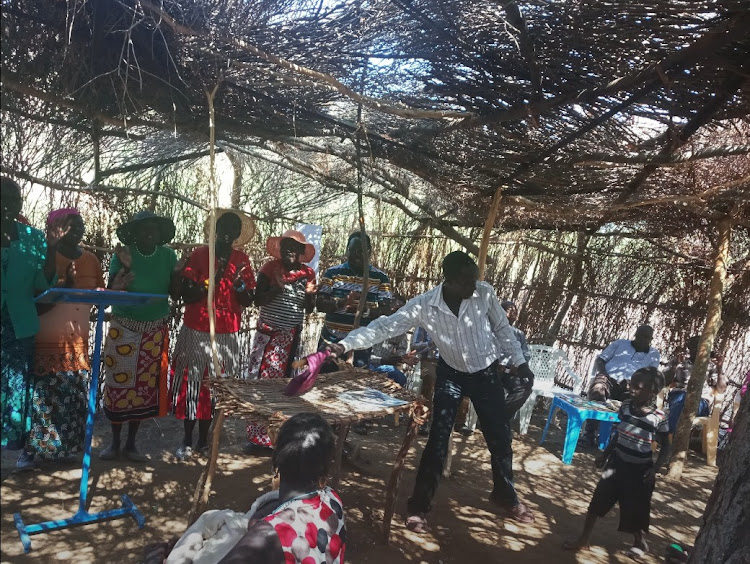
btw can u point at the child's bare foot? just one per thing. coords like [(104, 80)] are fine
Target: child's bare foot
[(578, 544)]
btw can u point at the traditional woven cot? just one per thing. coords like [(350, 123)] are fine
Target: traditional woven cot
[(265, 399)]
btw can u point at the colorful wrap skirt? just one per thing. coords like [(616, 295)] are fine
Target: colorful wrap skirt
[(59, 401), (272, 355), (135, 368), (15, 387), (58, 418), (192, 363)]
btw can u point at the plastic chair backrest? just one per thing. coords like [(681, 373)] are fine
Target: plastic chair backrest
[(544, 362)]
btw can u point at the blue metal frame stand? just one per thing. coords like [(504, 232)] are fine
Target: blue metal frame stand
[(82, 516)]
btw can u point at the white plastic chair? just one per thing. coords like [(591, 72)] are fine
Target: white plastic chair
[(543, 363)]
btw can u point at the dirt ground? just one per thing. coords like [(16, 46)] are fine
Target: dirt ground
[(463, 527)]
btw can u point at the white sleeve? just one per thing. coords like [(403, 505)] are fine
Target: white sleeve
[(501, 329), (384, 327)]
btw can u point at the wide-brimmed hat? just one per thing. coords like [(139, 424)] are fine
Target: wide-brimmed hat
[(126, 231), (273, 245), (246, 233)]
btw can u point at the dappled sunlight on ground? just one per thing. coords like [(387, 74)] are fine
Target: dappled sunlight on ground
[(464, 526)]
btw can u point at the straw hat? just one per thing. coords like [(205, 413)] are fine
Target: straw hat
[(126, 231), (273, 245), (246, 233)]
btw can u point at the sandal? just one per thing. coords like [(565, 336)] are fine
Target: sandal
[(417, 523), (519, 513), (635, 553)]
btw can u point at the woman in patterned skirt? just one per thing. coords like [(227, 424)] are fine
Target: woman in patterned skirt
[(286, 291), (61, 366), (192, 362), (28, 265), (135, 354)]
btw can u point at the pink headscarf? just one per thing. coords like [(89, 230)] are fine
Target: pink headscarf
[(60, 215)]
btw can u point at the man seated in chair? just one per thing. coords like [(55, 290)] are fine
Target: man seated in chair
[(678, 375), (614, 367)]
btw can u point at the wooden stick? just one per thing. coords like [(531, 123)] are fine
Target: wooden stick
[(391, 490), (339, 457), (212, 235), (488, 225), (203, 489)]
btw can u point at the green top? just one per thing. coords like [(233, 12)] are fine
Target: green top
[(153, 275), (23, 278)]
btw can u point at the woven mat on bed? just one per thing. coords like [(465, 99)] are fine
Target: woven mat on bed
[(265, 398)]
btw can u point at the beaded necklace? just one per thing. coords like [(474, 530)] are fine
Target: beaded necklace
[(137, 250)]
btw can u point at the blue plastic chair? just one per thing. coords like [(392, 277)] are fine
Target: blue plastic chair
[(579, 410)]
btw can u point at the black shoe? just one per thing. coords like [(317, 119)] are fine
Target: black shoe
[(360, 428), (257, 450), (464, 430)]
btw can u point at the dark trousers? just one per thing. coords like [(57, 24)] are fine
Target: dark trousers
[(486, 392), (623, 482)]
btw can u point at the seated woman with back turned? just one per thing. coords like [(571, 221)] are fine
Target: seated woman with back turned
[(300, 523), (306, 522)]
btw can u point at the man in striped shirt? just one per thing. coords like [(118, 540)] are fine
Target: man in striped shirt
[(468, 326), (629, 471), (340, 290)]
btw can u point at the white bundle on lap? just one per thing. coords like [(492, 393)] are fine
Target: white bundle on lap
[(214, 534)]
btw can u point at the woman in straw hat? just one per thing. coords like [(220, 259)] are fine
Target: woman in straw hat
[(286, 291), (192, 361), (135, 354)]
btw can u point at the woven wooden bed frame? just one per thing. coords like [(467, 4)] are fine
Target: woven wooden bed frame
[(265, 400)]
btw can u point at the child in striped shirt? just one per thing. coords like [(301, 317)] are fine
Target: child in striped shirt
[(629, 471)]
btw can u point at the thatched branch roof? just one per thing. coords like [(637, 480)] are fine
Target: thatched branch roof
[(585, 112)]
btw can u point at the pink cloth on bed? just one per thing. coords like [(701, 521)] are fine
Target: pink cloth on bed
[(306, 380)]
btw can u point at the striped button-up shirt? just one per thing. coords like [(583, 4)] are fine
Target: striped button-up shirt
[(467, 343)]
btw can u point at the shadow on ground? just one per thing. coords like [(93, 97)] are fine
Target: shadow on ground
[(464, 527)]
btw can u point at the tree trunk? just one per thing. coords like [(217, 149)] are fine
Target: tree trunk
[(681, 441), (724, 535)]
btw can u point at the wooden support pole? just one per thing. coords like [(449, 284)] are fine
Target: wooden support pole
[(97, 160), (681, 441), (488, 225), (339, 453), (203, 487)]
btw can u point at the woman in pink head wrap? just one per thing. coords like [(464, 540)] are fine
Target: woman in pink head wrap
[(61, 363)]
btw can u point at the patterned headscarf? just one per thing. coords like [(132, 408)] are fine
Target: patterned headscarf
[(60, 215)]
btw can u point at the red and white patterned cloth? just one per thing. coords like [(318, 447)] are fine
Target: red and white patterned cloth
[(311, 528)]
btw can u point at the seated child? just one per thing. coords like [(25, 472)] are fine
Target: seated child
[(629, 471)]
